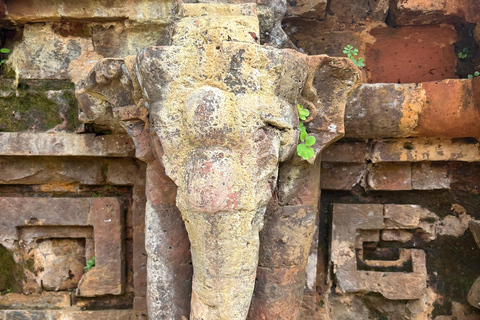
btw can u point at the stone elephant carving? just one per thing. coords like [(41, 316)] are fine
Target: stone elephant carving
[(218, 112)]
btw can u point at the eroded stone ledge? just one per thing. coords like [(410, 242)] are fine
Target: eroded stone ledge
[(65, 144)]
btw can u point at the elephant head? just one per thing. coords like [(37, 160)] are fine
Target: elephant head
[(221, 116)]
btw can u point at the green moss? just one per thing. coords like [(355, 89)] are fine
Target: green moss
[(10, 272), (28, 107)]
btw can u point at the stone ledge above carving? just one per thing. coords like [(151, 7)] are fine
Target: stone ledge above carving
[(65, 144)]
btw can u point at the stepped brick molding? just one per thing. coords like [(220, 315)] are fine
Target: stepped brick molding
[(42, 218)]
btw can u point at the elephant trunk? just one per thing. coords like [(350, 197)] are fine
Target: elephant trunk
[(224, 248)]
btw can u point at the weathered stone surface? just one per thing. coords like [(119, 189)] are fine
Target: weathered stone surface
[(341, 176), (421, 12), (298, 185), (450, 110), (169, 261), (61, 263), (315, 9), (411, 54), (452, 225), (447, 108), (348, 307), (383, 110), (475, 229), (320, 37), (96, 111), (60, 58), (123, 172), (418, 309), (23, 11), (397, 235), (347, 219), (38, 170), (329, 89), (430, 176), (390, 176), (65, 144), (425, 149), (121, 39), (406, 216), (107, 277), (37, 106), (45, 300), (225, 165), (346, 151), (474, 294), (70, 314)]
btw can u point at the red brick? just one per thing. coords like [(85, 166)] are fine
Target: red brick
[(411, 54), (341, 176), (390, 176), (450, 111)]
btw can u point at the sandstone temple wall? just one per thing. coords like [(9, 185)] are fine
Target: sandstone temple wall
[(396, 201)]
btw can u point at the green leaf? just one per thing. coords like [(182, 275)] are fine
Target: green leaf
[(470, 76), (303, 135), (359, 63), (304, 151), (310, 141), (305, 112), (301, 126), (3, 61), (476, 74), (4, 50)]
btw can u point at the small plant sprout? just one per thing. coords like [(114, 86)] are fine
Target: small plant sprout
[(90, 264), (475, 74), (4, 50), (304, 148), (351, 52), (466, 53)]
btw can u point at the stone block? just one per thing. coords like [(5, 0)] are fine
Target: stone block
[(425, 149), (475, 229), (383, 110), (341, 176), (430, 176), (37, 105), (41, 170), (273, 297), (405, 216), (411, 54), (71, 314), (63, 58), (422, 12), (45, 300), (65, 144), (122, 172), (390, 176), (283, 246), (474, 294), (346, 151), (60, 263), (450, 110), (103, 214), (310, 9), (397, 235), (347, 220), (25, 11), (121, 39), (316, 37), (299, 185)]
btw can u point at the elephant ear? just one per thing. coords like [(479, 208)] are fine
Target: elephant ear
[(115, 81), (329, 83)]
